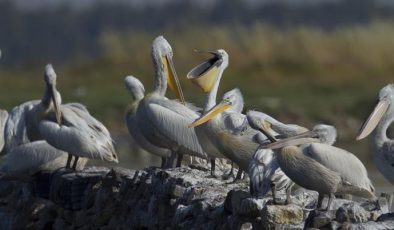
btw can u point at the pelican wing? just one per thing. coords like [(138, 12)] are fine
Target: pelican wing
[(191, 106), (239, 148), (338, 160), (3, 120), (260, 172), (77, 106), (15, 132), (32, 157), (79, 134), (134, 130), (171, 119), (264, 171)]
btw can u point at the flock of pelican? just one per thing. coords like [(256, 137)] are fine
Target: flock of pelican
[(47, 135)]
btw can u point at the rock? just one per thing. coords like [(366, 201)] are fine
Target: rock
[(246, 226), (305, 198), (352, 212), (251, 207), (283, 215), (178, 198), (233, 200), (322, 220), (370, 225), (6, 187), (386, 217)]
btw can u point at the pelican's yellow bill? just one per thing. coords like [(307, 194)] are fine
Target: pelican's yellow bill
[(172, 79), (207, 80), (373, 119), (211, 114)]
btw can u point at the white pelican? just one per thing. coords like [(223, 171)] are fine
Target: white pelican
[(15, 132), (264, 171), (30, 158), (22, 124), (164, 122), (3, 119), (70, 128), (221, 130), (380, 120), (136, 88), (232, 119), (321, 167)]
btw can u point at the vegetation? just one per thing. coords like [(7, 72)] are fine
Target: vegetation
[(301, 75)]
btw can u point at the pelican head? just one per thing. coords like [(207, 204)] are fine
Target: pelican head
[(162, 57), (257, 121), (54, 95), (135, 87), (231, 100), (205, 74), (236, 99), (320, 133), (386, 97)]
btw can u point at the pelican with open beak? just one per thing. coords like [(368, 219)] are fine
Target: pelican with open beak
[(162, 122), (380, 120), (310, 160), (217, 129)]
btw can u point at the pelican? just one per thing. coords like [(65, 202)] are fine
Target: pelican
[(221, 134), (264, 171), (321, 167), (3, 119), (70, 128), (164, 122), (232, 119), (136, 88), (22, 124), (32, 157), (380, 120), (15, 132)]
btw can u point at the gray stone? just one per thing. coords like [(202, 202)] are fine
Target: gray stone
[(370, 225), (278, 214), (234, 199), (352, 212), (178, 198), (252, 207)]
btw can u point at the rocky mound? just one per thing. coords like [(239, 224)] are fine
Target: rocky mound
[(180, 198)]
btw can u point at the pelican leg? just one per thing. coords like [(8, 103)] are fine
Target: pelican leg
[(179, 160), (68, 164), (163, 162), (75, 163), (213, 167), (330, 199), (239, 175), (170, 160), (320, 201)]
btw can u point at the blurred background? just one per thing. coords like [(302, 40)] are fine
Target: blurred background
[(304, 61)]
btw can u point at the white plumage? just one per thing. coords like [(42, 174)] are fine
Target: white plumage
[(30, 158)]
